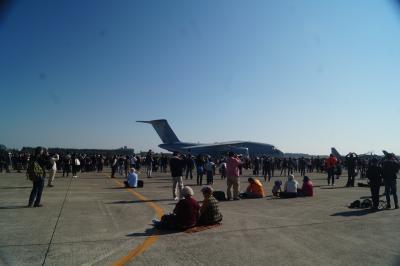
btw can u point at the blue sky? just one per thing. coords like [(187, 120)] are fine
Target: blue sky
[(302, 75)]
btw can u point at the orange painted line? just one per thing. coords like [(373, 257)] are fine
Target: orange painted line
[(142, 247)]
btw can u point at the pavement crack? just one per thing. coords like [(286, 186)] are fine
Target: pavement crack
[(58, 219)]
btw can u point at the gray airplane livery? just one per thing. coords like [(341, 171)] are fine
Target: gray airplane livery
[(172, 143)]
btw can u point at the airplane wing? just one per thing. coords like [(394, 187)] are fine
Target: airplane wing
[(214, 145), (221, 148)]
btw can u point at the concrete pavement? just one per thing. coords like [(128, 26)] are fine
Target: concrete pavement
[(92, 221)]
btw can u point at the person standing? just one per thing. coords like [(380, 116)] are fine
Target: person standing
[(176, 165), (127, 165), (114, 165), (330, 164), (351, 163), (209, 167), (232, 180), (200, 169), (149, 163), (76, 163), (53, 170), (390, 168), (374, 174), (267, 168), (189, 166), (222, 168), (36, 173)]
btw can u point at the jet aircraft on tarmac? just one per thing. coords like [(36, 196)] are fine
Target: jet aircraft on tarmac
[(172, 143)]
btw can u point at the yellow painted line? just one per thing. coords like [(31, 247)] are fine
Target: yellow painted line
[(142, 247)]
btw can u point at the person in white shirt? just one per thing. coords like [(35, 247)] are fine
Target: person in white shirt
[(53, 170), (132, 179), (290, 188)]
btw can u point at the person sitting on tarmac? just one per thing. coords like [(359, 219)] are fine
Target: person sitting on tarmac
[(185, 214), (307, 190), (276, 190), (209, 211), (290, 188), (132, 178), (254, 190)]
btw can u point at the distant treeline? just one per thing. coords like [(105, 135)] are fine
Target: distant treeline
[(120, 151)]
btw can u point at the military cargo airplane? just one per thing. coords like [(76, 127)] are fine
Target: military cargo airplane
[(172, 143)]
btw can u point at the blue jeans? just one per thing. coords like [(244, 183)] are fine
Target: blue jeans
[(36, 193), (391, 188)]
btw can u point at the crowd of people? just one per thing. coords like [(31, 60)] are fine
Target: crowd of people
[(181, 166)]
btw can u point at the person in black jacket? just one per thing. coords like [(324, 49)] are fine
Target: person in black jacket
[(176, 165), (189, 166), (374, 174), (390, 168), (351, 163)]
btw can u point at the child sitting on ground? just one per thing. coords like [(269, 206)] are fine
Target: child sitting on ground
[(277, 188)]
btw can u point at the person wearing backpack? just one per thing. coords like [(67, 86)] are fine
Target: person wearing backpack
[(36, 173)]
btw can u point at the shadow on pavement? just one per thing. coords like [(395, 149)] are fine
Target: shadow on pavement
[(12, 207), (361, 212), (154, 231), (14, 187), (138, 201), (329, 187)]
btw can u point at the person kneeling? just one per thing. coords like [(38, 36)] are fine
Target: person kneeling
[(132, 179), (185, 214), (209, 211), (290, 189), (254, 189)]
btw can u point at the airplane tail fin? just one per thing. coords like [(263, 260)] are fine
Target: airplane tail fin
[(163, 130), (335, 152)]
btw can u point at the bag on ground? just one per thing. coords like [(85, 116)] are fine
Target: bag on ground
[(219, 195)]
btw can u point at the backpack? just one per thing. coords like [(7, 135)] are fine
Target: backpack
[(355, 204), (34, 171), (365, 204), (140, 183), (219, 195)]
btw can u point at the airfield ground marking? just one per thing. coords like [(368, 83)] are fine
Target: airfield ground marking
[(139, 249)]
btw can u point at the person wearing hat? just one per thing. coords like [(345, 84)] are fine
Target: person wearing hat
[(290, 188), (374, 174), (185, 214), (187, 210), (53, 170), (277, 188), (390, 168)]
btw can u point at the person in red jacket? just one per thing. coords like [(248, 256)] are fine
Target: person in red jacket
[(330, 165), (307, 190), (185, 214), (187, 210)]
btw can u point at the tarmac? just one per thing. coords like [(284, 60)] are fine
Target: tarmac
[(92, 220)]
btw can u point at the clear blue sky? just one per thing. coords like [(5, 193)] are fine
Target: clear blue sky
[(301, 75)]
